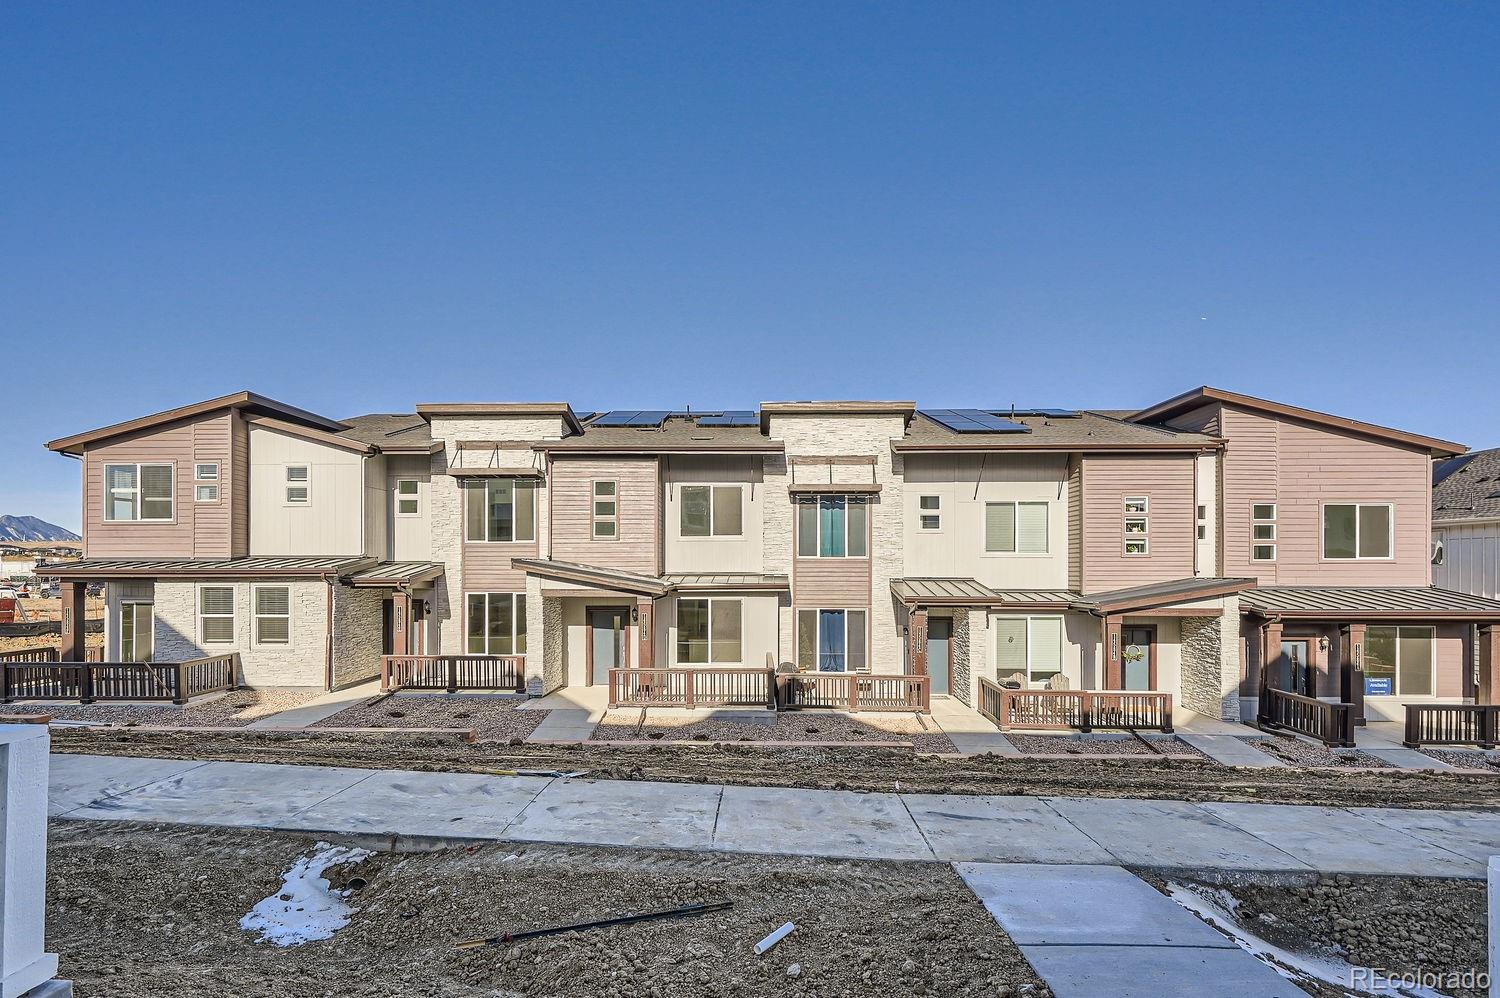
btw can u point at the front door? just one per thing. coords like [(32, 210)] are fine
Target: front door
[(1138, 661), (939, 638), (1293, 671), (606, 643)]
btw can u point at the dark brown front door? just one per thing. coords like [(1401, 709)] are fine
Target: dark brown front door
[(1294, 670)]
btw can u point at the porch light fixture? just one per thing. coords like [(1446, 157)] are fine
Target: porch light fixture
[(1323, 642)]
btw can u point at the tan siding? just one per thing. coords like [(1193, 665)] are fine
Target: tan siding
[(831, 582), (1300, 467), (1075, 523), (1204, 419), (1167, 480), (1451, 639), (487, 569), (638, 546)]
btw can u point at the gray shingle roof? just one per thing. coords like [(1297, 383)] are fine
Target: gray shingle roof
[(1087, 429), (389, 430), (1467, 487)]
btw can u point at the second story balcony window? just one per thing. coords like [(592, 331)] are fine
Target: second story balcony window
[(138, 492), (499, 509), (833, 527)]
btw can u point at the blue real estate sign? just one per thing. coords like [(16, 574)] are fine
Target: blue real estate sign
[(1378, 687)]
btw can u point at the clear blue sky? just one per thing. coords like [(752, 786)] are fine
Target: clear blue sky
[(359, 207)]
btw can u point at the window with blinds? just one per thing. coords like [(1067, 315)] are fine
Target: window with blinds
[(140, 492), (298, 485), (273, 615), (216, 615), (710, 631), (1028, 650), (1015, 527)]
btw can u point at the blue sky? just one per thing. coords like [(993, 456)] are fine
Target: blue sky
[(357, 207)]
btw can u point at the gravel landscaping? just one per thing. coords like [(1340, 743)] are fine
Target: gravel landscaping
[(231, 710), (152, 910), (492, 718), (765, 726), (1300, 752), (1463, 758)]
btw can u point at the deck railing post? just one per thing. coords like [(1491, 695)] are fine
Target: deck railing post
[(5, 696), (853, 693), (86, 684), (452, 661), (1413, 727), (179, 676), (687, 689), (1166, 715), (1086, 712), (1487, 718)]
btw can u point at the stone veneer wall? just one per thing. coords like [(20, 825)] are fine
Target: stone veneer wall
[(357, 634), (960, 679), (1210, 663), (299, 663), (554, 671)]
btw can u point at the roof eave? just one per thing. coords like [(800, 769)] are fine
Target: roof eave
[(75, 443), (1192, 446)]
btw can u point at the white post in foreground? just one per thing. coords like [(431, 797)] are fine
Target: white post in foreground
[(23, 859), (1494, 899)]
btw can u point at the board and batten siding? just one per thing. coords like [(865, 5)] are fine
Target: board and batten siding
[(1471, 557), (715, 554), (332, 522), (637, 547), (1168, 481), (1300, 467), (197, 530), (408, 538)]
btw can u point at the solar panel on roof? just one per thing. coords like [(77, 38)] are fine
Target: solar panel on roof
[(632, 417), (1051, 413), (972, 421), (732, 417), (991, 422)]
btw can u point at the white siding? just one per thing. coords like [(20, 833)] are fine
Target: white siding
[(715, 554), (331, 523), (409, 537)]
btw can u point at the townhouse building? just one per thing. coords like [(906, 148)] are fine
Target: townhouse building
[(1466, 523), (1200, 547)]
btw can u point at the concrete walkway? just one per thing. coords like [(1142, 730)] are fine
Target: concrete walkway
[(319, 708), (1231, 750), (1052, 830), (970, 733), (1102, 932)]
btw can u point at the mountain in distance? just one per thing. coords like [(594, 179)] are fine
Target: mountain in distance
[(29, 528)]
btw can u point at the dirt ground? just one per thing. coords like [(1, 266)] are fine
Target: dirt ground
[(766, 726), (143, 910), (492, 718), (840, 768), (233, 709)]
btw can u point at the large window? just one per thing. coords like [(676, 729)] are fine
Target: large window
[(1015, 527), (1399, 660), (710, 631), (606, 510), (273, 615), (833, 527), (1028, 650), (1263, 531), (135, 632), (139, 492), (499, 509), (216, 615), (832, 641), (711, 511), (1357, 530), (497, 624)]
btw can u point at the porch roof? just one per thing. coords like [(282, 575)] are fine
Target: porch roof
[(1369, 603), (970, 592), (396, 573), (593, 575), (1160, 594), (727, 580), (206, 568)]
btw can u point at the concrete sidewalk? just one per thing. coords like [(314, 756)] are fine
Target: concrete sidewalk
[(1066, 830)]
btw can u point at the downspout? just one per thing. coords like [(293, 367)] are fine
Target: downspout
[(328, 578)]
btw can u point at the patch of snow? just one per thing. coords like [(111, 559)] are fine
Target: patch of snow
[(1216, 907), (306, 908)]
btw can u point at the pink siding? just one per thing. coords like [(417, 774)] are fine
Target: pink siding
[(1167, 480), (1204, 419), (487, 569), (1451, 639), (638, 546), (197, 530), (1299, 467), (239, 494), (831, 582)]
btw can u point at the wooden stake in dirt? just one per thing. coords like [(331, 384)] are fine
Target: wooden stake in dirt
[(688, 910)]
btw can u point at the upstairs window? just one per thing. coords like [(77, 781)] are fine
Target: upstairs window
[(138, 492), (1137, 524), (408, 497), (1263, 531), (711, 511), (1202, 522), (606, 510), (298, 485), (1357, 531), (710, 631), (1015, 527), (206, 482), (833, 527), (930, 512), (499, 509)]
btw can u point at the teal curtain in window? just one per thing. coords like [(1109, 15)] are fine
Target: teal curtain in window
[(831, 527), (831, 641)]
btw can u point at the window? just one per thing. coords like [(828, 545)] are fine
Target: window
[(833, 527), (499, 509), (1263, 531), (138, 492), (1399, 660), (1137, 524), (273, 615), (1202, 522), (408, 497), (216, 615), (206, 473), (711, 511), (606, 510), (831, 641), (497, 624), (1357, 530), (709, 630), (1028, 650), (135, 632), (297, 485), (930, 515), (1015, 527)]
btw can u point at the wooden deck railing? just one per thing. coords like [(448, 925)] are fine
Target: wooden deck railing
[(1330, 723), (452, 673), (23, 676), (692, 688), (1084, 710), (853, 691), (1452, 724)]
